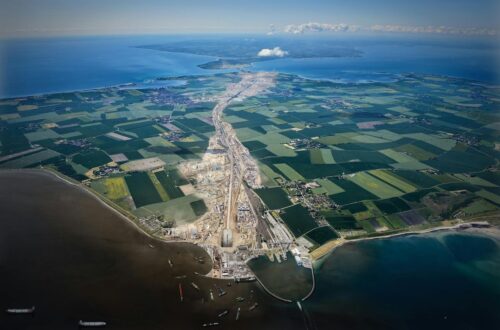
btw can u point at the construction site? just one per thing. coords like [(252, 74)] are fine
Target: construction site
[(235, 228)]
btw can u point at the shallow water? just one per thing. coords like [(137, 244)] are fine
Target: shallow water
[(438, 281), (73, 258)]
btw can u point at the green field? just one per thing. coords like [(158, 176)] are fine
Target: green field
[(322, 235), (274, 198), (298, 219), (91, 158), (142, 189), (374, 185), (168, 183)]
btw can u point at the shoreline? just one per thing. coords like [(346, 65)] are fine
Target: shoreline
[(486, 227)]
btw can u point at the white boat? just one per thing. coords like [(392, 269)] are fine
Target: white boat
[(91, 324), (20, 310)]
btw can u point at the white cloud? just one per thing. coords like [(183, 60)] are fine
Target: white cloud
[(322, 27), (275, 52)]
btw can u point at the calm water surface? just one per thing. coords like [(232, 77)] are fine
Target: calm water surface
[(73, 258)]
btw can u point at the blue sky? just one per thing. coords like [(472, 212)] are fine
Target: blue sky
[(75, 17)]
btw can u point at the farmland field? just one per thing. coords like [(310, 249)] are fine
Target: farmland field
[(358, 158), (142, 189), (298, 220)]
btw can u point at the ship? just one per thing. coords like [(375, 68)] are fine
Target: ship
[(245, 279), (195, 286), (20, 310), (181, 295), (238, 314), (91, 324), (211, 324), (254, 306), (223, 313)]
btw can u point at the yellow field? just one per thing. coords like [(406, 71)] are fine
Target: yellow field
[(391, 179), (375, 186), (27, 107), (116, 188), (159, 188)]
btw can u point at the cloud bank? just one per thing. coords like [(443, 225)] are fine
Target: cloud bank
[(325, 27), (275, 52)]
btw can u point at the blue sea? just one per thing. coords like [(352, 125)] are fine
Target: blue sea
[(445, 280), (35, 66)]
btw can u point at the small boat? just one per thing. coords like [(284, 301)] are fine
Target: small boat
[(222, 292), (181, 295), (91, 324), (170, 263), (211, 324), (180, 277), (20, 310), (238, 314), (240, 299), (195, 286), (151, 246), (254, 306), (211, 295), (223, 313)]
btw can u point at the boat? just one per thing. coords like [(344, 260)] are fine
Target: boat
[(181, 295), (151, 246), (92, 324), (211, 295), (222, 292), (238, 314), (223, 313), (245, 279), (240, 299), (211, 324), (254, 306), (20, 310), (170, 263), (195, 286), (180, 277)]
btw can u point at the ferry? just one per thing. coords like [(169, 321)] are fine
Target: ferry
[(223, 313), (20, 310), (91, 324)]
